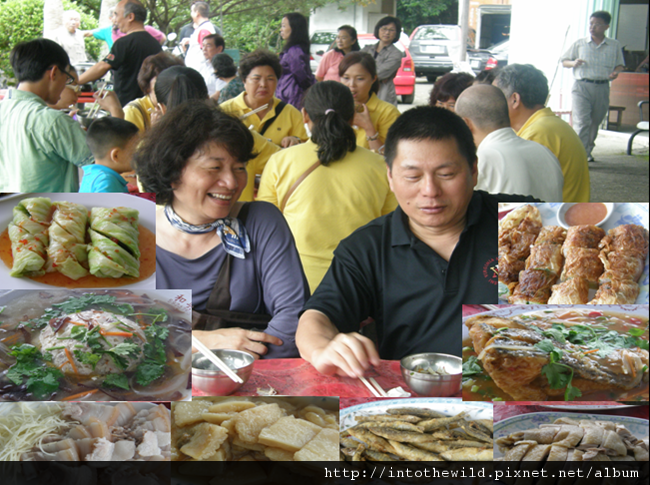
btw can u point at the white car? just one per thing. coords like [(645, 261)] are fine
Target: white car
[(321, 41)]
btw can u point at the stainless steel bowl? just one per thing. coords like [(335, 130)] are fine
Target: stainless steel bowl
[(424, 384), (82, 117), (207, 378)]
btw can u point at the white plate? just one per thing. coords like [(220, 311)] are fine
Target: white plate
[(628, 213), (448, 406), (511, 310), (146, 208), (637, 426), (179, 299)]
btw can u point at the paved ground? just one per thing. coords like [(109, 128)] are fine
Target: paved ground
[(615, 176)]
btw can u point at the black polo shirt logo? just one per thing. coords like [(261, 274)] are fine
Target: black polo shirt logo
[(490, 271)]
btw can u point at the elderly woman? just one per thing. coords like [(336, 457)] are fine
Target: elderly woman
[(372, 116), (346, 42), (139, 110), (446, 90), (328, 187), (294, 58), (276, 120), (387, 57), (239, 259), (225, 70), (179, 84)]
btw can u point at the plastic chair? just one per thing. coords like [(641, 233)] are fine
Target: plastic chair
[(640, 127)]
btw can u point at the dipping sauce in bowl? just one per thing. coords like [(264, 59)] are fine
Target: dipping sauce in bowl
[(586, 213)]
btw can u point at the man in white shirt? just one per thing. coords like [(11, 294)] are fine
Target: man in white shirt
[(71, 38), (200, 12), (507, 164), (211, 45), (596, 60)]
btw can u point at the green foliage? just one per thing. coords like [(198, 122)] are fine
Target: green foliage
[(419, 12), (22, 20)]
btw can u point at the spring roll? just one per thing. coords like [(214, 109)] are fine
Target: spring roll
[(67, 252), (585, 236), (582, 263), (571, 292), (28, 232)]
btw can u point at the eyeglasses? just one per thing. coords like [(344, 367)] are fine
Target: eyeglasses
[(386, 29), (71, 79)]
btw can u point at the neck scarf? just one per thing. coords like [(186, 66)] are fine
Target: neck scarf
[(234, 237)]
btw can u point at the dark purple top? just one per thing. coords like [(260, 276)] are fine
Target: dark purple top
[(270, 280), (296, 76)]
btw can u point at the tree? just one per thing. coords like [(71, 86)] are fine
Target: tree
[(418, 12)]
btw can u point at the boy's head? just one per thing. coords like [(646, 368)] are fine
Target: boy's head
[(112, 142)]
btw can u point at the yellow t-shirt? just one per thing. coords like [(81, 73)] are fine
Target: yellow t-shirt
[(264, 150), (382, 115), (289, 123), (547, 129), (140, 117), (330, 203)]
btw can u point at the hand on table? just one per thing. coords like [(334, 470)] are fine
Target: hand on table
[(237, 339), (347, 354)]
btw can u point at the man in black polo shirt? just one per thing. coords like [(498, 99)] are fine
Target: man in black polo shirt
[(127, 53), (410, 270)]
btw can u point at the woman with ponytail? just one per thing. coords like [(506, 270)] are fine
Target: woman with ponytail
[(327, 187)]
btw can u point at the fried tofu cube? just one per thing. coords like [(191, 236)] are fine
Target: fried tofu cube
[(324, 447), (251, 422), (206, 440), (186, 413), (231, 406), (278, 454), (289, 433)]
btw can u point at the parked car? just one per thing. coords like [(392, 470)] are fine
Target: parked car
[(499, 54), (430, 48), (321, 42), (405, 78)]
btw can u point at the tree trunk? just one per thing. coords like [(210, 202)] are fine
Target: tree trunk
[(52, 17)]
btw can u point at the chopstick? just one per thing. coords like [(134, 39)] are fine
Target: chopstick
[(95, 107), (255, 111), (215, 360), (367, 384), (379, 388)]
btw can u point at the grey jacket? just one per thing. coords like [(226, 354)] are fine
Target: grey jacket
[(388, 62)]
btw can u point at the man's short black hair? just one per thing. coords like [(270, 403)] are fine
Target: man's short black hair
[(202, 8), (138, 11), (260, 57), (602, 15), (30, 60), (430, 123), (389, 20), (107, 133), (526, 80), (216, 39)]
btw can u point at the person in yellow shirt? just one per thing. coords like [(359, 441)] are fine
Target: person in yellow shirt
[(277, 121), (139, 110), (373, 117), (179, 84), (327, 187), (526, 90)]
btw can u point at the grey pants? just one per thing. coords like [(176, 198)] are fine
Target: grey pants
[(590, 105)]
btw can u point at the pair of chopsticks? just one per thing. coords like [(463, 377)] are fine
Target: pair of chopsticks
[(377, 390), (94, 109), (215, 360), (255, 111)]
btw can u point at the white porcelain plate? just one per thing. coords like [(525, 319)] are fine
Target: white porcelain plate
[(146, 208)]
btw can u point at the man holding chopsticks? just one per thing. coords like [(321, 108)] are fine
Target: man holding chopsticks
[(410, 270)]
